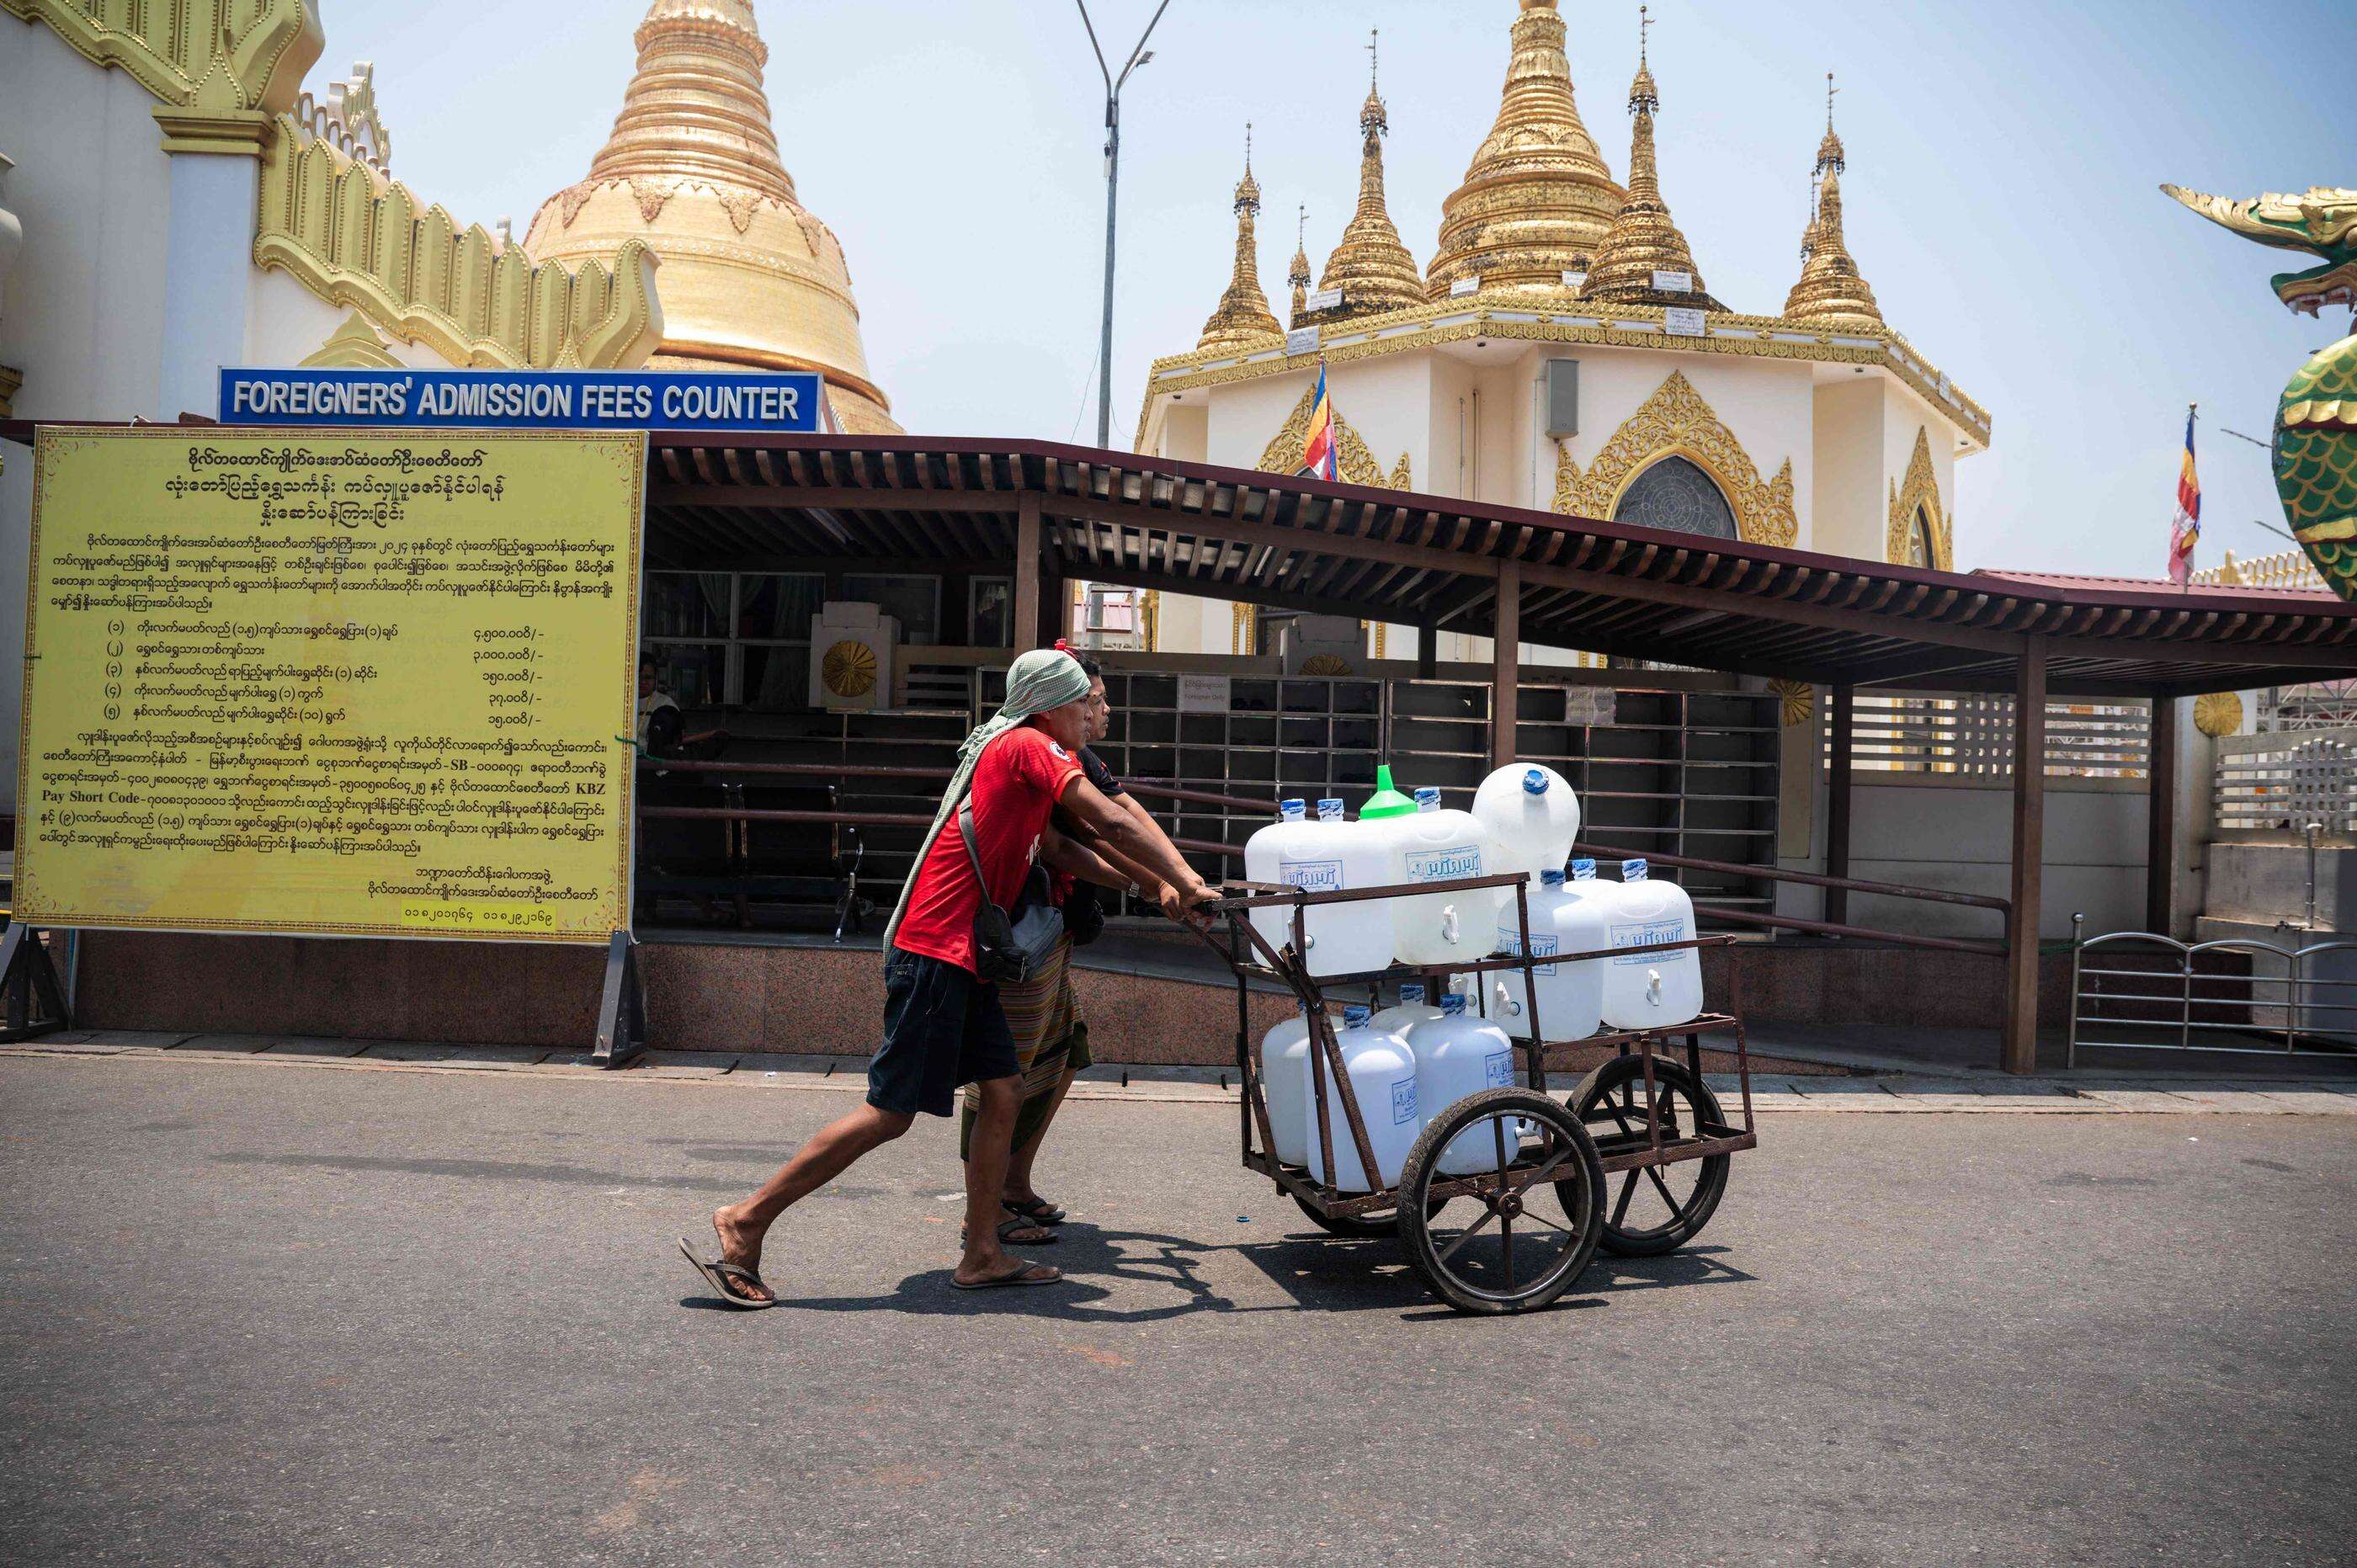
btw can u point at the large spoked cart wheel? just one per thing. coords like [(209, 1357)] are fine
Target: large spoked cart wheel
[(1532, 1188), (1653, 1208)]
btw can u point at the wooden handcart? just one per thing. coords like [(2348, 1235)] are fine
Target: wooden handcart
[(1512, 1238)]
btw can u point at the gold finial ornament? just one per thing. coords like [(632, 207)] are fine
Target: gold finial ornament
[(751, 279), (1830, 288), (1538, 199), (1298, 274), (1644, 240), (1369, 264), (1244, 317)]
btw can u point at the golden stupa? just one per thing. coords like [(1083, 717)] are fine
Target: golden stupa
[(1370, 266), (1244, 317), (1644, 238), (1830, 288), (749, 280), (1538, 199)]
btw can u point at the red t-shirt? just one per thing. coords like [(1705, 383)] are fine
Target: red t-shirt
[(1017, 782)]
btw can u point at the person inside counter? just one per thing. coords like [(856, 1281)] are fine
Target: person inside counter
[(943, 1025), (662, 722)]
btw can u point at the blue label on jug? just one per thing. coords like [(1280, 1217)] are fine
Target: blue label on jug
[(1403, 1101), (1311, 876), (1509, 943), (1499, 1068), (1644, 934), (1444, 864)]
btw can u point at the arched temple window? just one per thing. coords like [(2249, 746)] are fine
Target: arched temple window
[(1675, 493), (1920, 549)]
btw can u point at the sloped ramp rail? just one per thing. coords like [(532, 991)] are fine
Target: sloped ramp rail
[(2141, 991)]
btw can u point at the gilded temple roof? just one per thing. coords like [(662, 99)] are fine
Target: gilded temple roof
[(1829, 288), (1538, 199), (1369, 264), (751, 279), (1644, 238), (1243, 316)]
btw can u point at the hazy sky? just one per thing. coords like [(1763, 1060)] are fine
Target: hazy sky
[(2000, 195)]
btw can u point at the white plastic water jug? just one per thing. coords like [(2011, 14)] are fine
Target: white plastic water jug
[(1532, 815), (1643, 990), (1438, 845), (1383, 1077), (1323, 856), (1283, 1083), (1570, 996), (1458, 1055), (1403, 1015)]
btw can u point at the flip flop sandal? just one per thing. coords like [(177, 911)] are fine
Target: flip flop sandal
[(719, 1271), (1019, 1232), (1037, 1208), (1023, 1273)]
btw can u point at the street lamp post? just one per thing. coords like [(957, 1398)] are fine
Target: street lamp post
[(1138, 57)]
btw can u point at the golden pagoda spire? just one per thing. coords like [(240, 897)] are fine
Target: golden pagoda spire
[(751, 279), (1830, 288), (1644, 240), (1537, 198), (1370, 266), (1243, 316), (1298, 274)]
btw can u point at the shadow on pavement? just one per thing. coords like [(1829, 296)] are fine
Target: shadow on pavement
[(1318, 1273)]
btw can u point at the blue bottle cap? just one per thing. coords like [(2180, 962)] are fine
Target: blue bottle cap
[(1292, 811), (1534, 781), (1633, 871), (1329, 810), (1452, 1006), (1355, 1017), (1583, 870), (1410, 991), (1427, 799), (1552, 877)]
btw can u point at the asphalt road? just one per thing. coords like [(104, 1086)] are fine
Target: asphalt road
[(270, 1314)]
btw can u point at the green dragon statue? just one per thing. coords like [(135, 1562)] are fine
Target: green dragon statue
[(2316, 423)]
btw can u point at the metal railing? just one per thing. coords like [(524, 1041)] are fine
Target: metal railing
[(2281, 782), (2214, 990)]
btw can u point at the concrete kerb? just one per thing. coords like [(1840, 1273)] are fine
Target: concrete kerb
[(1900, 1094)]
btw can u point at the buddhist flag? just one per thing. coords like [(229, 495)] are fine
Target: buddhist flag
[(1318, 454), (2187, 529)]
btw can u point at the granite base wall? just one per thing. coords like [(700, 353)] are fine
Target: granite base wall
[(830, 1000)]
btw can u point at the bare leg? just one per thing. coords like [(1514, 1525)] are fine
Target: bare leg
[(986, 1180), (1018, 1167), (742, 1226)]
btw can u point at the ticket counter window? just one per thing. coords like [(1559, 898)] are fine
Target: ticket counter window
[(914, 601), (733, 639), (990, 610)]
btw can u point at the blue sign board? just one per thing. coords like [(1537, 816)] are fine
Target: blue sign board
[(524, 400)]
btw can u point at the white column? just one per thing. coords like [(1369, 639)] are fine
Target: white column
[(208, 273)]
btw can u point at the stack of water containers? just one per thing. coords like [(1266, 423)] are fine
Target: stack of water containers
[(1417, 1059)]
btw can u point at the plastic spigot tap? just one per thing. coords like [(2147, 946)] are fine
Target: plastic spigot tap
[(1448, 926), (1653, 987)]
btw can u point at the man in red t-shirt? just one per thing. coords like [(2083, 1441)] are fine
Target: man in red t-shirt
[(944, 1028)]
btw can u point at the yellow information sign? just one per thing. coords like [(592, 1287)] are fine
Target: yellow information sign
[(330, 682)]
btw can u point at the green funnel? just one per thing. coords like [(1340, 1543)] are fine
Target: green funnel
[(1385, 801)]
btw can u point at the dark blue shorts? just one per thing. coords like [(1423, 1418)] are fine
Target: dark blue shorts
[(943, 1029)]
